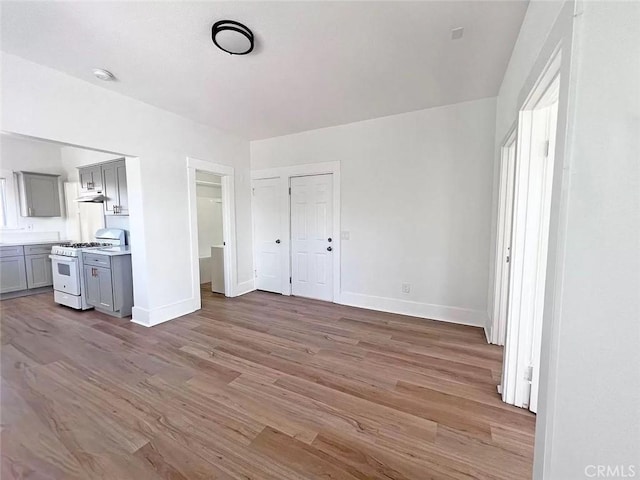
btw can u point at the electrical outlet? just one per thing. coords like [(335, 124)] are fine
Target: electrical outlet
[(344, 236), (406, 288)]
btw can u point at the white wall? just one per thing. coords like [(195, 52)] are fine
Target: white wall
[(19, 154), (589, 414), (592, 402), (416, 201), (43, 102)]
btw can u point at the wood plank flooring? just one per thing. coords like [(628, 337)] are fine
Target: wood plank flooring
[(257, 387)]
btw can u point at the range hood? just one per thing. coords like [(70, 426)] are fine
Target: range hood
[(91, 197)]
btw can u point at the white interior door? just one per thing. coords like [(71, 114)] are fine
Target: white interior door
[(266, 221), (312, 236), (503, 251)]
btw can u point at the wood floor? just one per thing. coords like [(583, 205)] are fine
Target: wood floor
[(258, 387)]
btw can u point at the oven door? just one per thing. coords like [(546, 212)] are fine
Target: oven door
[(66, 274)]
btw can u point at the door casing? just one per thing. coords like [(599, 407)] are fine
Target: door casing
[(531, 222)]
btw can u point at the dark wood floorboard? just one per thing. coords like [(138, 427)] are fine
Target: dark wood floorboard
[(257, 387)]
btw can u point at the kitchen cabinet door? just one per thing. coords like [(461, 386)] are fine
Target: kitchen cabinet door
[(39, 273), (90, 179), (99, 287), (123, 197), (39, 195), (114, 180), (13, 274)]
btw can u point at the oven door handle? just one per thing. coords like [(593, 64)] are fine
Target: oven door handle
[(60, 259)]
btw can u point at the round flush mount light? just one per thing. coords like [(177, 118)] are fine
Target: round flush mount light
[(232, 37), (105, 75)]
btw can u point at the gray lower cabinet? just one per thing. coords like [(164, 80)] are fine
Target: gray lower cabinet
[(39, 272), (25, 269), (13, 275), (99, 287), (109, 283)]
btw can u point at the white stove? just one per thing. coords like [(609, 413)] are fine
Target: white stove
[(68, 267), (75, 249)]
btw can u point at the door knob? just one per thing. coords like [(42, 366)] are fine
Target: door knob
[(278, 241), (329, 240), (329, 249)]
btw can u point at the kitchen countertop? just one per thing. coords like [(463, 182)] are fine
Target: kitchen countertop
[(41, 242), (113, 251)]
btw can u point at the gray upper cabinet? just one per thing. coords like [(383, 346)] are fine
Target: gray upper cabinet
[(39, 194), (90, 179), (114, 182)]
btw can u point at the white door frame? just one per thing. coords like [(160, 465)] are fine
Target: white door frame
[(526, 290), (285, 174), (502, 265), (228, 225)]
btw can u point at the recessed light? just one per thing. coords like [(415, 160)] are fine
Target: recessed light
[(457, 33), (232, 37), (105, 75)]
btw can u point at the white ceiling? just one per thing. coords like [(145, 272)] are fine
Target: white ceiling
[(316, 64)]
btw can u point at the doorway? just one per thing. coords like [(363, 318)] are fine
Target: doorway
[(212, 227), (529, 238), (210, 231)]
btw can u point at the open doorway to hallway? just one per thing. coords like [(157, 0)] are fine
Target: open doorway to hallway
[(210, 232), (212, 227)]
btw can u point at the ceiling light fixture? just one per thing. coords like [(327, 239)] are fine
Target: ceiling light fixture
[(105, 75), (232, 37)]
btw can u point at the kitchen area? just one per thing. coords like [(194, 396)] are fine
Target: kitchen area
[(64, 226)]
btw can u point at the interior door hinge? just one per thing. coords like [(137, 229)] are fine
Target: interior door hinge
[(289, 190), (546, 148), (289, 279), (528, 374), (255, 272)]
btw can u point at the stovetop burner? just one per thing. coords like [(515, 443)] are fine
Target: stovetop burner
[(85, 245)]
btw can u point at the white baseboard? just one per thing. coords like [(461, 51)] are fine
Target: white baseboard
[(487, 335), (464, 316), (244, 287), (150, 318)]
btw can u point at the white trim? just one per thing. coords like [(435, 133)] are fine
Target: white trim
[(531, 218), (463, 316), (487, 333), (285, 174), (228, 225), (150, 318), (505, 205)]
